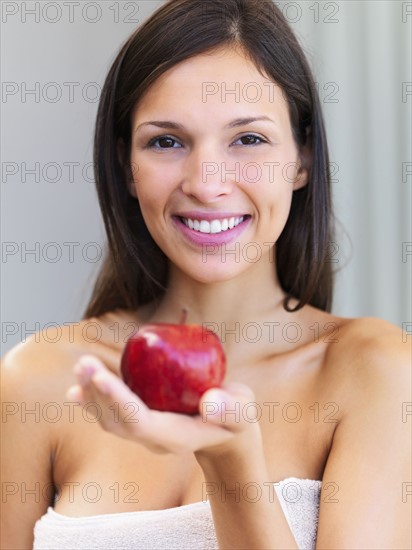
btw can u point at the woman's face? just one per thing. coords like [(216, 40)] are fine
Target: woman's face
[(214, 191)]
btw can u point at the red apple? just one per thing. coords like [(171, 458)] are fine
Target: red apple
[(170, 366)]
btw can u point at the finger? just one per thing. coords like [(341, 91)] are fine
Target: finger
[(92, 373), (105, 395), (178, 433), (239, 389), (86, 366), (123, 412), (75, 393), (224, 405), (110, 385)]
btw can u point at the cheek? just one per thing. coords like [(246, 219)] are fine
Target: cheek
[(272, 195), (150, 183), (274, 187)]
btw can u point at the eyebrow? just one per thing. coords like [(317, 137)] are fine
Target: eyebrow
[(178, 126)]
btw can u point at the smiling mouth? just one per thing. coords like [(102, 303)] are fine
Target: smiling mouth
[(213, 226)]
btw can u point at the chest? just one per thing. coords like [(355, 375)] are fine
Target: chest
[(96, 472)]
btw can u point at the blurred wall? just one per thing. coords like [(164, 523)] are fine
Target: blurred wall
[(55, 56), (361, 56)]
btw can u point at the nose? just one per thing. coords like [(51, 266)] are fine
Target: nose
[(206, 176)]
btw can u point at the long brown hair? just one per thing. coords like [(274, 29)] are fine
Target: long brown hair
[(135, 270)]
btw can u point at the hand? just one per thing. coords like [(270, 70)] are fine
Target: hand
[(124, 414)]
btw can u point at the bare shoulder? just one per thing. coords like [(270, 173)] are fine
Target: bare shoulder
[(38, 353), (370, 368), (41, 367), (45, 359), (37, 419), (368, 334), (35, 375), (370, 354)]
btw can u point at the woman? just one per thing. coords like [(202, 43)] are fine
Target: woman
[(212, 172)]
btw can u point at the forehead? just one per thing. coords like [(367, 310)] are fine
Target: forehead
[(221, 78)]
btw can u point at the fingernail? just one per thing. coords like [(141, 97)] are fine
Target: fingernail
[(89, 369)]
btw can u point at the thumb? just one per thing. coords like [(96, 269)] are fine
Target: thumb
[(240, 390), (225, 405)]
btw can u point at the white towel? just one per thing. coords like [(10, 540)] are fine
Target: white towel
[(188, 527)]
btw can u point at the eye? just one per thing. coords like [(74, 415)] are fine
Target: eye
[(252, 137), (164, 142)]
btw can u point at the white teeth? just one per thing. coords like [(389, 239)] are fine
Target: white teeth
[(204, 226), (214, 226)]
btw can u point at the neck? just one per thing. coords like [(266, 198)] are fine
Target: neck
[(252, 297)]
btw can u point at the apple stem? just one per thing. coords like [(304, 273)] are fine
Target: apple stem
[(183, 317)]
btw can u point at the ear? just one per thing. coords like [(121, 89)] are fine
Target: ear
[(304, 163), (128, 173)]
